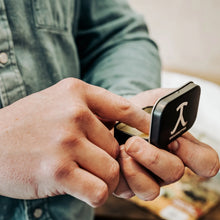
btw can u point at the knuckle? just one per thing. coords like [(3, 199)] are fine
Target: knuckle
[(124, 108), (61, 171), (190, 157), (177, 173), (67, 138), (153, 159), (69, 143), (130, 173), (100, 196), (80, 114), (115, 149), (71, 83), (113, 172), (101, 91), (55, 169), (124, 104)]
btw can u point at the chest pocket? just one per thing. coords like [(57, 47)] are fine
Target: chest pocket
[(53, 15)]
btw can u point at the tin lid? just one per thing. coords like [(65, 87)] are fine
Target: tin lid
[(171, 116), (174, 114)]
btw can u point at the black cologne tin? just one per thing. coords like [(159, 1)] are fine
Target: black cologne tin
[(171, 116)]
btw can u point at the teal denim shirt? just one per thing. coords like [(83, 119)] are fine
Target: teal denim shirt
[(102, 42)]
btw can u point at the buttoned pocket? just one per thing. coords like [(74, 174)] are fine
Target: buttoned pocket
[(53, 15)]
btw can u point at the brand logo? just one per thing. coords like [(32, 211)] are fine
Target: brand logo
[(180, 119)]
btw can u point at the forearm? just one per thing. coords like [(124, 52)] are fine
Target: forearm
[(127, 69)]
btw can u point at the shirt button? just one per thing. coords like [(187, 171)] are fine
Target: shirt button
[(3, 58), (38, 213)]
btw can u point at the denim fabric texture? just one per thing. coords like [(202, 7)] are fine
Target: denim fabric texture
[(44, 41)]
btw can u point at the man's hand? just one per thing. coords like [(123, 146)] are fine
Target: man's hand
[(144, 167), (52, 142)]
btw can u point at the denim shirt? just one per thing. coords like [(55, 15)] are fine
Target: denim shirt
[(102, 42)]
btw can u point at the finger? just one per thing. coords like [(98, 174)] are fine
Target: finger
[(99, 134), (123, 190), (149, 97), (98, 162), (84, 186), (191, 138), (113, 107), (199, 157), (138, 179), (163, 164), (108, 123)]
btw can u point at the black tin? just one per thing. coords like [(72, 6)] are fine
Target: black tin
[(171, 116)]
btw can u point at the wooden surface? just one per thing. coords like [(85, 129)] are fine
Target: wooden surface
[(119, 209)]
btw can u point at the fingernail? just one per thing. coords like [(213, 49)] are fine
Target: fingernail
[(174, 146), (134, 145), (125, 195), (123, 154)]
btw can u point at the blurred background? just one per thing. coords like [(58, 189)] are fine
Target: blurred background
[(187, 33), (188, 36)]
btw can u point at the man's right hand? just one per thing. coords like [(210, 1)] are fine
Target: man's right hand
[(53, 143), (139, 159)]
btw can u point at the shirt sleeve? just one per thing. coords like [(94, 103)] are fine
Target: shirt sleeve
[(115, 49)]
